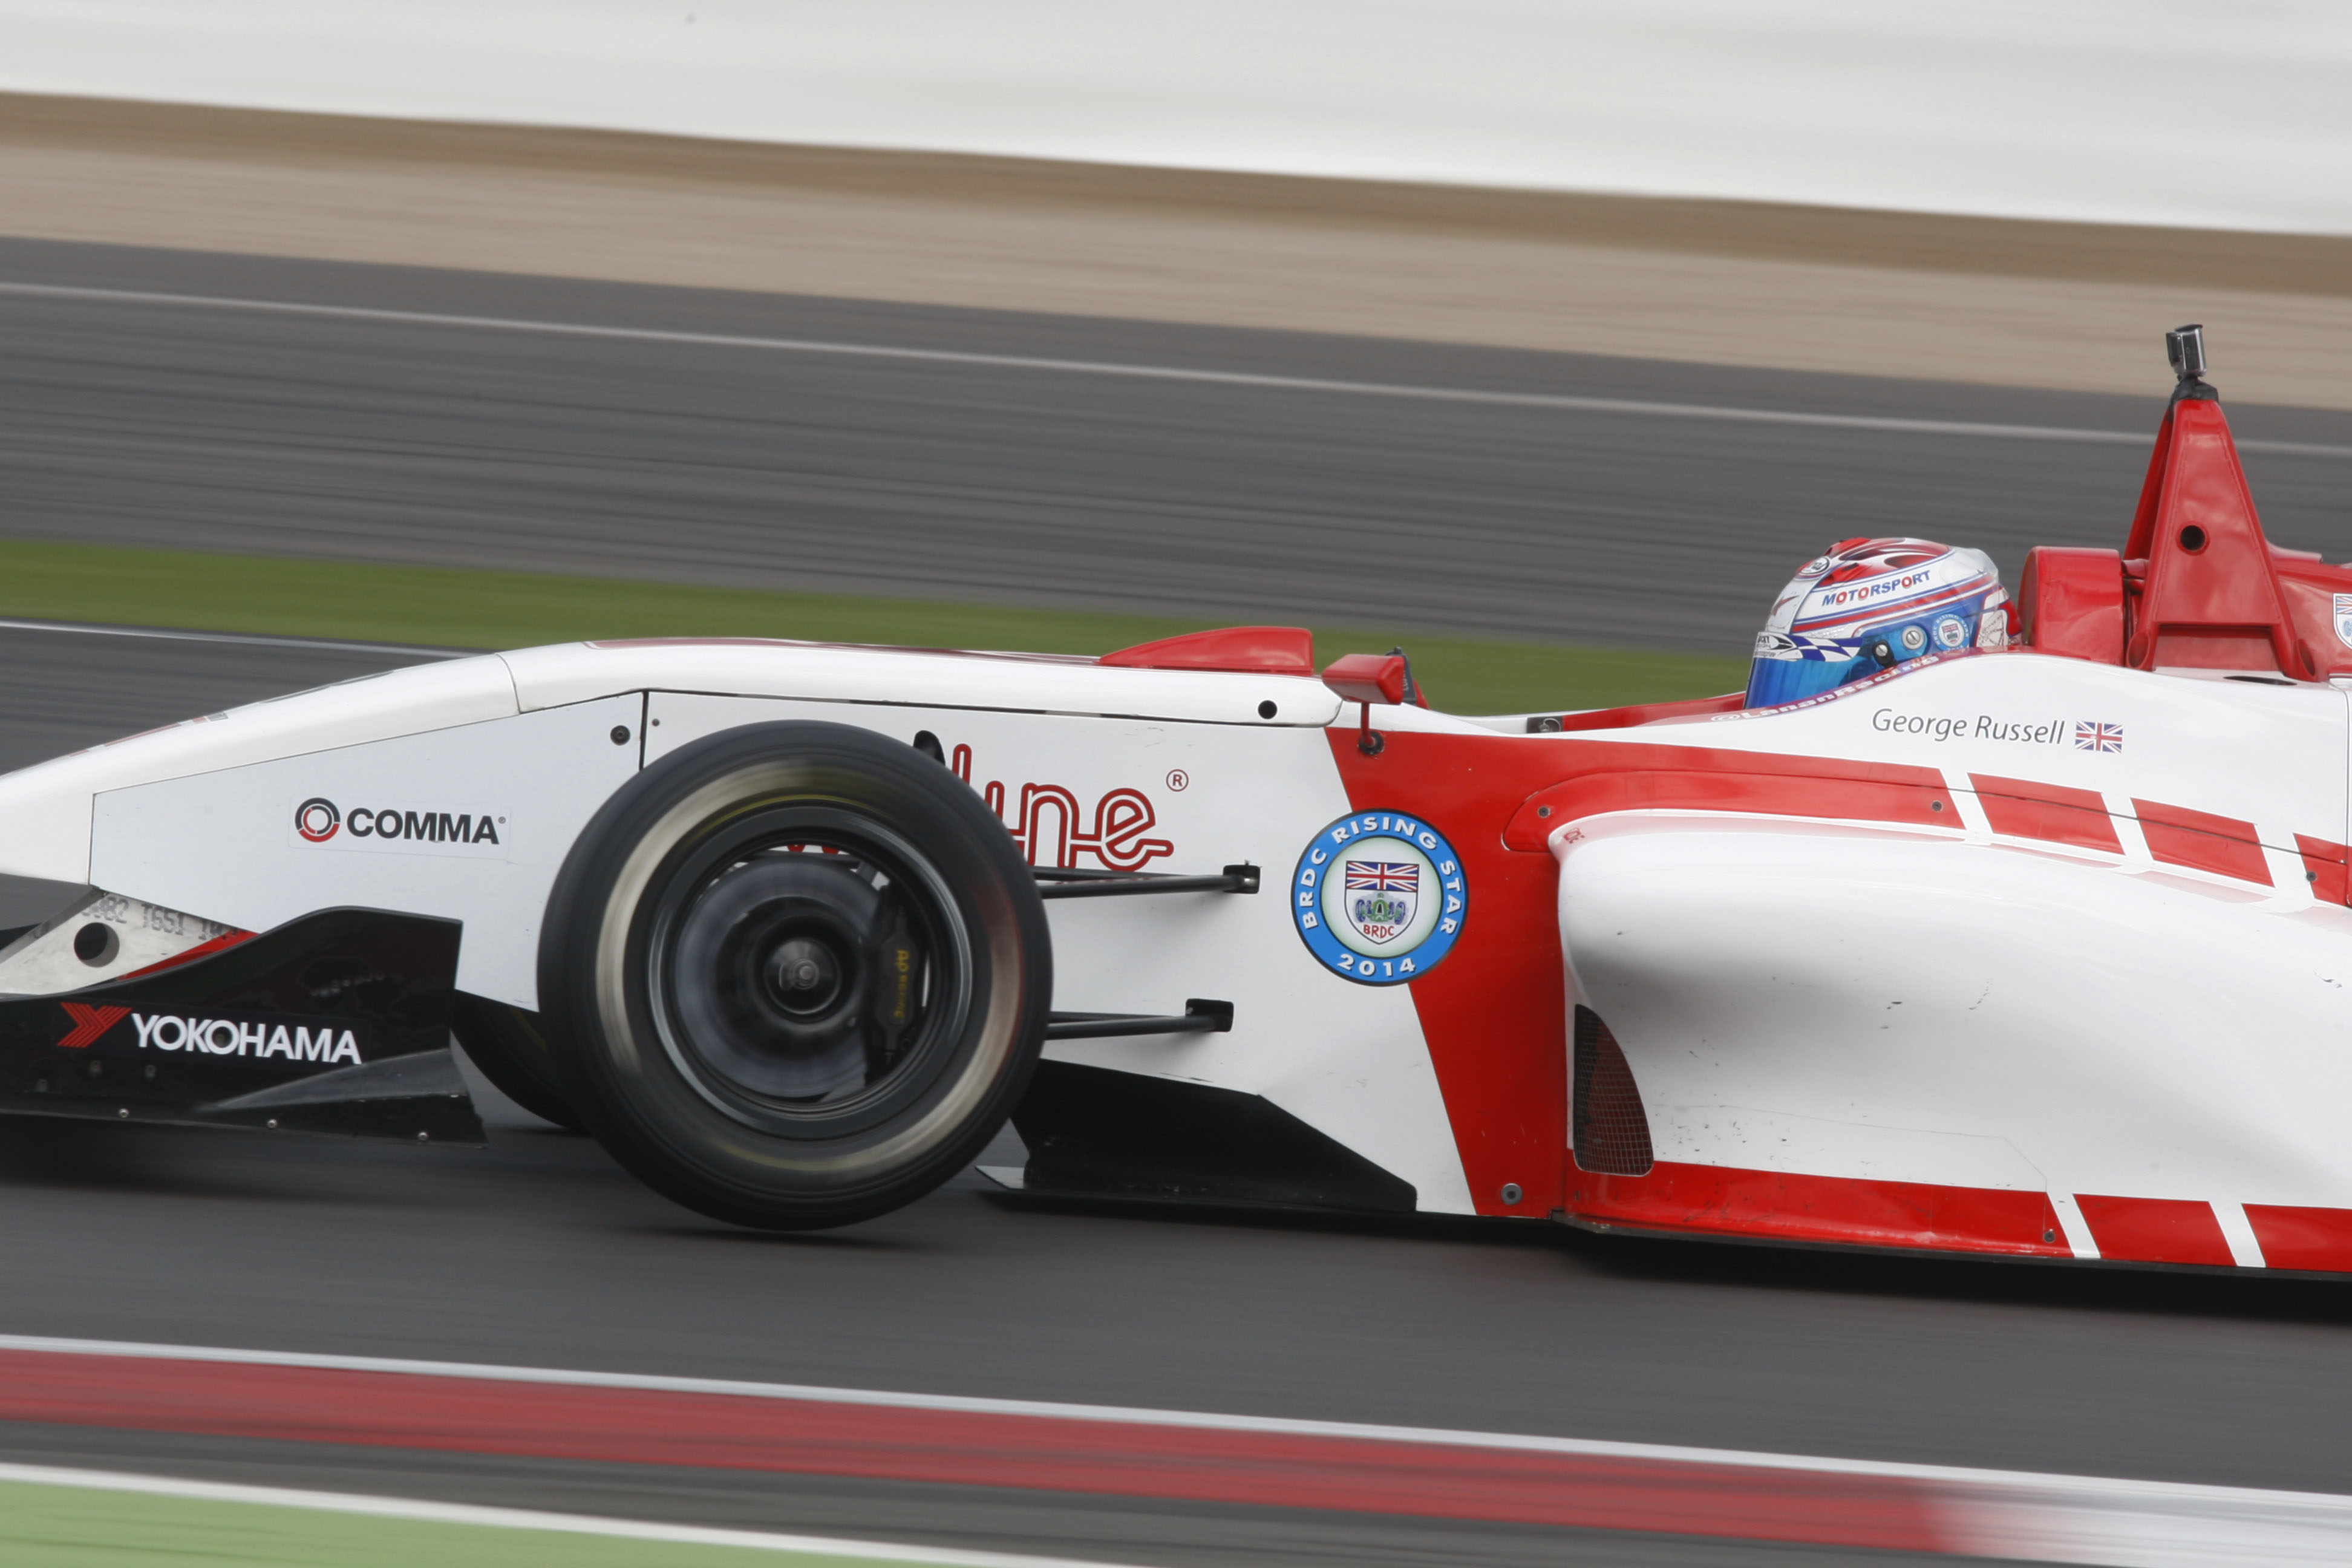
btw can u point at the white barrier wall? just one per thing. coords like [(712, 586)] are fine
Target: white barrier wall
[(2170, 111)]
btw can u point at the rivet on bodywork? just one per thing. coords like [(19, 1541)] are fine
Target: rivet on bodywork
[(1511, 1192)]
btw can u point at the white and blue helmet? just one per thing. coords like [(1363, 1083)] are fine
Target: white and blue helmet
[(1869, 604)]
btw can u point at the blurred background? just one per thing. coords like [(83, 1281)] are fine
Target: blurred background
[(1517, 326), (1546, 337)]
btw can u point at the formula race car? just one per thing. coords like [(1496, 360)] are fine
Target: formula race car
[(1976, 924)]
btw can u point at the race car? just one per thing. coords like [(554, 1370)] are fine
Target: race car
[(1977, 923)]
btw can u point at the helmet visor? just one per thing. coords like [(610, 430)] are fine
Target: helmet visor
[(1772, 681)]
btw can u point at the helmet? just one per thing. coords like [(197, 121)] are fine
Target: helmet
[(1869, 604)]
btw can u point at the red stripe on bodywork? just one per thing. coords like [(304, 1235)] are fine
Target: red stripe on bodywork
[(1065, 1454), (2302, 1238), (2322, 867), (2223, 845), (2052, 812), (1675, 778), (2156, 1230), (1726, 1200), (1494, 1013), (202, 950)]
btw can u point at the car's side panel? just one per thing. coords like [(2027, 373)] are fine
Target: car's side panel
[(47, 808), (226, 843), (1886, 1009), (222, 841), (1126, 793)]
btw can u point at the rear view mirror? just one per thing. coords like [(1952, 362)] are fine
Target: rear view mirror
[(1370, 678), (1384, 678)]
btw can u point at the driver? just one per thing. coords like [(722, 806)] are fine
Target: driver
[(1870, 604)]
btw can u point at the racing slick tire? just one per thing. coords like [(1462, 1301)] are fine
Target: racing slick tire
[(510, 1044), (801, 974)]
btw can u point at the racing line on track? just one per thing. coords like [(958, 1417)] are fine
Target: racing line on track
[(1111, 1451), (1564, 403)]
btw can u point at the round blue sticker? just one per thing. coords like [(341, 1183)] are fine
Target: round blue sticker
[(1379, 897)]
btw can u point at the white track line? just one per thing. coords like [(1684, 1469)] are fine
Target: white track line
[(2002, 1514), (1141, 371), (520, 1519), (228, 637)]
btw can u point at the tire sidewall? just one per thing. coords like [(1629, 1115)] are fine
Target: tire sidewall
[(594, 976)]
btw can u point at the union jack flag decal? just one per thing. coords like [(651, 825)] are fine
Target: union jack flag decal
[(2090, 737), (1383, 875)]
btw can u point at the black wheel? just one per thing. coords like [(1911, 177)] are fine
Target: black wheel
[(510, 1044), (801, 974)]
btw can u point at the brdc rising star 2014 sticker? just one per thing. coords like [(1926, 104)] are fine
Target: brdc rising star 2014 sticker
[(1379, 897)]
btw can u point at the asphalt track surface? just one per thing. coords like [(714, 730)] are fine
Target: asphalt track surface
[(1477, 490), (538, 1251), (389, 439)]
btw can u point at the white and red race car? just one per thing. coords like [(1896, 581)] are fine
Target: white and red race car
[(2040, 952)]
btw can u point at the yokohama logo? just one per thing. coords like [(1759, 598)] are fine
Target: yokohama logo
[(322, 1041), (233, 1038), (89, 1023)]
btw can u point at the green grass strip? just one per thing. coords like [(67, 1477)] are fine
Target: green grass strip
[(459, 607), (71, 1526)]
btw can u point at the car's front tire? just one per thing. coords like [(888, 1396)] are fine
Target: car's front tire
[(801, 972)]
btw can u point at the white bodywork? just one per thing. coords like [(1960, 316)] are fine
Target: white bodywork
[(201, 817), (1853, 1000), (1972, 1009)]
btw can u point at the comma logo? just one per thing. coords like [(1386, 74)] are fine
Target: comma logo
[(320, 822)]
